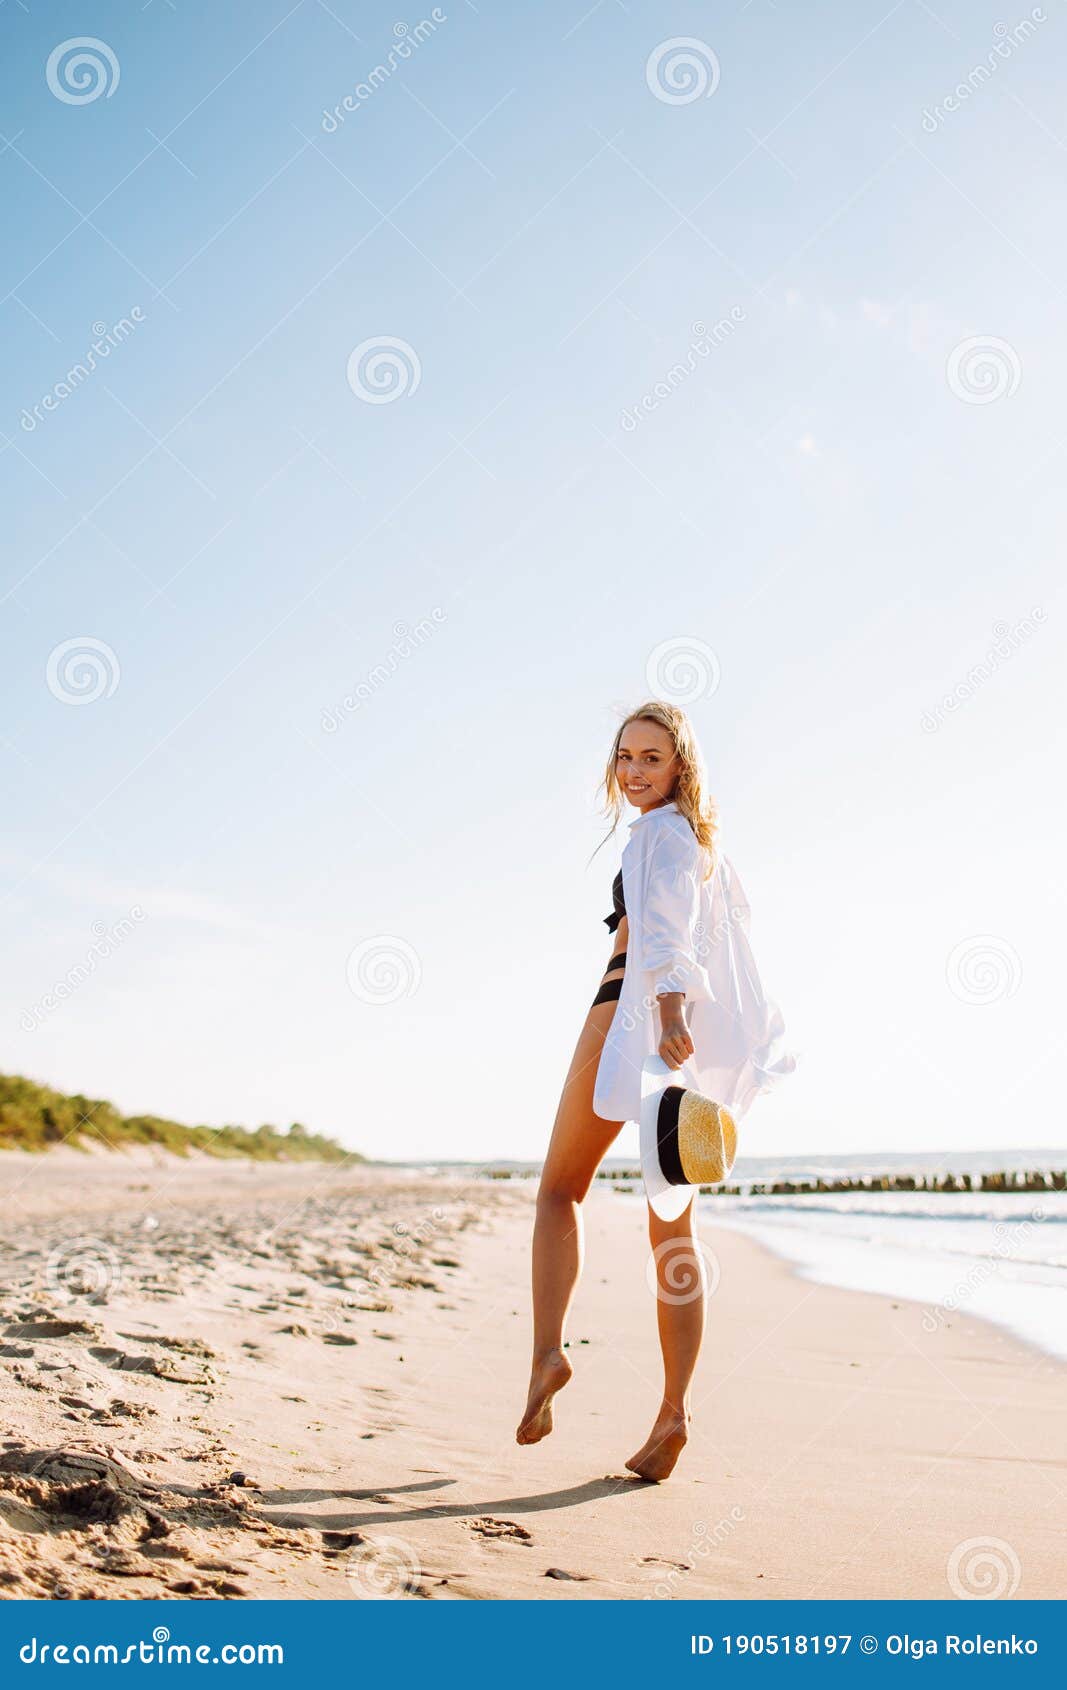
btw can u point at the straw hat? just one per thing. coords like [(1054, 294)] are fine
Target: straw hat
[(687, 1139)]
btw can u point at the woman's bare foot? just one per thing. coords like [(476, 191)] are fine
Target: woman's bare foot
[(549, 1374), (656, 1458)]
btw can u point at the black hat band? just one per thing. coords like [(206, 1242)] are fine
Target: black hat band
[(670, 1160)]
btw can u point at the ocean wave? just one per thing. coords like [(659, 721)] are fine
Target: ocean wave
[(950, 1207)]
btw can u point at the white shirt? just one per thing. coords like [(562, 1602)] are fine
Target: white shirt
[(688, 934)]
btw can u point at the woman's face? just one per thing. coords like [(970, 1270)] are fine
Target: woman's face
[(647, 765)]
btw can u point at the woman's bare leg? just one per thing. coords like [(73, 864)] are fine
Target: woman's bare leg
[(579, 1141), (680, 1315)]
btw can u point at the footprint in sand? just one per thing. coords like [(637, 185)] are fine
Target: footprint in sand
[(334, 1543), (46, 1327), (119, 1410), (184, 1346), (487, 1527), (159, 1366)]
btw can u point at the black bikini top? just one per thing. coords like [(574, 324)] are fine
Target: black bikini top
[(612, 921)]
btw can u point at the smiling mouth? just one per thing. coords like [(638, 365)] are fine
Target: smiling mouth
[(634, 788)]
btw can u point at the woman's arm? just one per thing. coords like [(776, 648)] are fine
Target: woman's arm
[(675, 1044), (671, 913)]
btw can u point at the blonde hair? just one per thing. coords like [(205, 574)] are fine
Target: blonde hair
[(693, 800)]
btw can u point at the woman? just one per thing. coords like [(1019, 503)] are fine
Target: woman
[(687, 910)]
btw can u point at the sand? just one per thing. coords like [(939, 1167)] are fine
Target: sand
[(227, 1380)]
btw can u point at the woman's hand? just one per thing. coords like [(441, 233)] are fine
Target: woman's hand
[(675, 1045)]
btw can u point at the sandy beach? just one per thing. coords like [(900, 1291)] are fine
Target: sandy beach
[(235, 1379)]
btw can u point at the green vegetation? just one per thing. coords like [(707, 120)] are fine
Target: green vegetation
[(33, 1117)]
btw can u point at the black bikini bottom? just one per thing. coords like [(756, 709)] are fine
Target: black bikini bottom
[(611, 990)]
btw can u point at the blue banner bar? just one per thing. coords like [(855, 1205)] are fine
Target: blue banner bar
[(515, 1645)]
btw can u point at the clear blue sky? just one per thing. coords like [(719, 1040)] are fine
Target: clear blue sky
[(824, 502)]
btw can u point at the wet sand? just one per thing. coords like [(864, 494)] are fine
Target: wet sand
[(234, 1379)]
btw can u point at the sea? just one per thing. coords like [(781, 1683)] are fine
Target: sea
[(1000, 1256)]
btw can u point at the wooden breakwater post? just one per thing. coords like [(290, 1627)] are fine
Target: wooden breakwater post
[(1009, 1180)]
